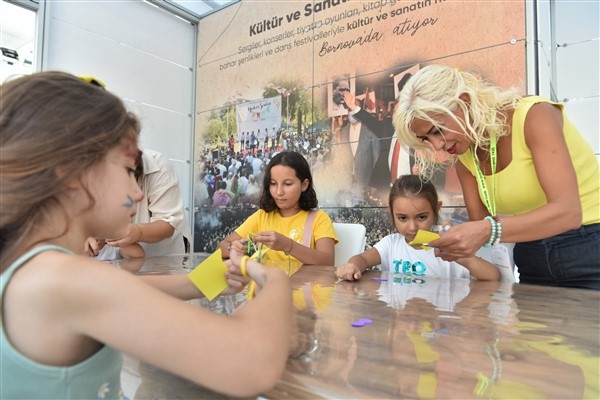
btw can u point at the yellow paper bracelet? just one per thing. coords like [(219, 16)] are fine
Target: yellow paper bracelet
[(243, 265), (251, 290)]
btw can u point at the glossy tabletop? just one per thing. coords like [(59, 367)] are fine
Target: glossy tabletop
[(417, 337)]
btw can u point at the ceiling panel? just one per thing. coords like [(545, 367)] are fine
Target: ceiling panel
[(202, 7)]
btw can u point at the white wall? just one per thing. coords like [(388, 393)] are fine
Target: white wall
[(569, 61), (145, 55)]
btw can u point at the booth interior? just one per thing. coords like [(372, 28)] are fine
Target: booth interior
[(220, 91)]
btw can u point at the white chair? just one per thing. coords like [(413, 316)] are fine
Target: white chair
[(352, 240)]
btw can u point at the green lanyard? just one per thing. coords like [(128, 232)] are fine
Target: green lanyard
[(490, 202)]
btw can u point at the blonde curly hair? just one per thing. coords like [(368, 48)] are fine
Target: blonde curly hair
[(439, 90)]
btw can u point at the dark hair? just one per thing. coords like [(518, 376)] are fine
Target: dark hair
[(139, 167), (403, 81), (414, 186), (54, 126), (296, 161)]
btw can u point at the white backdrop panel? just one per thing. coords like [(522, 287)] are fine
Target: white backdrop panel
[(126, 71), (144, 55), (164, 127), (575, 63), (585, 115), (132, 23)]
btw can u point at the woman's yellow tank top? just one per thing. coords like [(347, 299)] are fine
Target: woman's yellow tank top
[(518, 189)]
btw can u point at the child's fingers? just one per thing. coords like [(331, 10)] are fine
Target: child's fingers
[(340, 271), (237, 247), (235, 272), (234, 255), (347, 272), (236, 281)]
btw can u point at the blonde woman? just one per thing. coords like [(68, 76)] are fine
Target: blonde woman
[(527, 174)]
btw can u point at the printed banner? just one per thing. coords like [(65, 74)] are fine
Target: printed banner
[(306, 54)]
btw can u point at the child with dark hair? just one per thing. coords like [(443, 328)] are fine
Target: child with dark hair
[(414, 206), (287, 223)]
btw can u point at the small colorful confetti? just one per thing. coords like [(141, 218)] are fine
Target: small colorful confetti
[(361, 322)]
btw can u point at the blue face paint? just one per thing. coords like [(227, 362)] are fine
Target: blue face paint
[(129, 203)]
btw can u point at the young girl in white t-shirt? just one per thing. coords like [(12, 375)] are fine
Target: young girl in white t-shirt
[(414, 206)]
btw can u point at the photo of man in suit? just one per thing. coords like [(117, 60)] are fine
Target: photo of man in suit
[(393, 160), (355, 148), (339, 85)]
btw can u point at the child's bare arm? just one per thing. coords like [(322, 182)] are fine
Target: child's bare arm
[(133, 250), (353, 269), (480, 268)]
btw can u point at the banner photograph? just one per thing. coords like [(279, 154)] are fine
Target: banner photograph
[(298, 59)]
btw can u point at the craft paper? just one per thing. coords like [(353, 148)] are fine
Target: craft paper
[(423, 238), (209, 276)]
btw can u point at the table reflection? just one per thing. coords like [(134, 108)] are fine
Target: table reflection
[(429, 338)]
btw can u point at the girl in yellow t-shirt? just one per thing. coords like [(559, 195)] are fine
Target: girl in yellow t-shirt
[(287, 209)]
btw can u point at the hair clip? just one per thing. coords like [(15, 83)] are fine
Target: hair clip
[(92, 80)]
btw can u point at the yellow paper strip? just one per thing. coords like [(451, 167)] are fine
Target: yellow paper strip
[(423, 238)]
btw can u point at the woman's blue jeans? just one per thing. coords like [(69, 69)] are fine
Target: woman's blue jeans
[(571, 259)]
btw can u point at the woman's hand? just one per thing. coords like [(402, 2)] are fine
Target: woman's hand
[(462, 240), (132, 236), (348, 271)]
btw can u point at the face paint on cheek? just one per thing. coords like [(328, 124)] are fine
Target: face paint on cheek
[(130, 202)]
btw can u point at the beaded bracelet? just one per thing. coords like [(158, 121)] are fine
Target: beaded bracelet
[(498, 229), (493, 234)]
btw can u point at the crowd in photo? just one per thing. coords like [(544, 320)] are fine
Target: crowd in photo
[(232, 176), (230, 181)]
